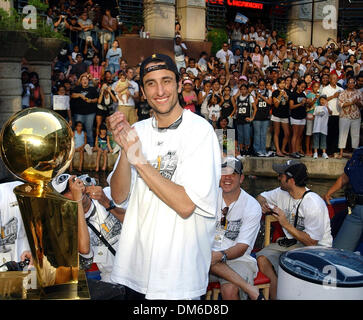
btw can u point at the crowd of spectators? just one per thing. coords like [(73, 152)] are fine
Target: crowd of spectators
[(282, 99)]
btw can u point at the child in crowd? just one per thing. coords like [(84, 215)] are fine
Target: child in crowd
[(61, 104), (189, 96), (122, 89), (320, 129), (80, 141), (103, 147), (226, 137), (74, 54), (192, 70), (214, 110), (312, 96), (246, 110)]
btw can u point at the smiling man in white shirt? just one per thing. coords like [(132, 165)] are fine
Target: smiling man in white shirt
[(165, 245)]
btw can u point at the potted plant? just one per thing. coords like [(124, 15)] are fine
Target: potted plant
[(41, 43), (217, 37)]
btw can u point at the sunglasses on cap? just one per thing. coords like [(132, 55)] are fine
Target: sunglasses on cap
[(224, 214)]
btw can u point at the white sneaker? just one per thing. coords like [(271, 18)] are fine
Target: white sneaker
[(315, 156), (88, 149), (116, 149), (325, 156)]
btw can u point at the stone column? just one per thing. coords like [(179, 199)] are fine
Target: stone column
[(191, 14), (324, 24), (40, 59), (6, 5), (159, 18), (14, 46), (43, 69)]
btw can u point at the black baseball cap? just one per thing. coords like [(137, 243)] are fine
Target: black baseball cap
[(293, 169), (169, 64), (229, 163)]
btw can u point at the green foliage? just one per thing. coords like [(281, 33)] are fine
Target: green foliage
[(217, 37), (39, 4), (10, 21), (281, 34), (13, 21)]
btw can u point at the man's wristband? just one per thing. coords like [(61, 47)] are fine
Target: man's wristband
[(224, 257), (112, 206)]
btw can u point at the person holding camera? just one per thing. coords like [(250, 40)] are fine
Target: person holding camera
[(89, 51), (99, 230), (302, 214)]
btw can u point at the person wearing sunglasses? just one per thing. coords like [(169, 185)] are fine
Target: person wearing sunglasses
[(237, 226)]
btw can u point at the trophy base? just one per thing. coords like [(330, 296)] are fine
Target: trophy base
[(67, 291), (11, 285)]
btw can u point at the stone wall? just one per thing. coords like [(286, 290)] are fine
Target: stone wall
[(317, 168), (320, 168)]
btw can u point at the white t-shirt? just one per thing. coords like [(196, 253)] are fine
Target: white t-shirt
[(61, 102), (313, 214), (25, 99), (13, 240), (333, 103), (221, 55), (266, 62), (161, 254), (214, 109), (242, 227), (321, 119), (253, 36), (194, 71), (110, 227)]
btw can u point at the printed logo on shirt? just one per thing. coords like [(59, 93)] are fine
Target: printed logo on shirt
[(110, 229), (9, 232), (166, 164), (300, 221), (233, 228)]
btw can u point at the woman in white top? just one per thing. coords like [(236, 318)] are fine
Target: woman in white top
[(236, 36), (257, 57), (272, 39)]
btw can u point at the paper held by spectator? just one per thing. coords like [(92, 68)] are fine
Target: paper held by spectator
[(240, 18), (60, 102)]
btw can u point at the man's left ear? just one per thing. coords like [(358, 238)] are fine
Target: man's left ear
[(142, 91), (179, 85), (241, 179)]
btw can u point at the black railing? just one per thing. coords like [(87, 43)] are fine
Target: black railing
[(215, 16), (130, 12)]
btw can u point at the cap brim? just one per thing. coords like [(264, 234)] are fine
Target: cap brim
[(227, 171), (279, 168), (60, 187)]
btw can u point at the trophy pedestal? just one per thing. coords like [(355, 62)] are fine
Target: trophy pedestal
[(68, 291), (11, 285)]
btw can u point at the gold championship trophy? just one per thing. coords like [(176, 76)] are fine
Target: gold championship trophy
[(36, 146)]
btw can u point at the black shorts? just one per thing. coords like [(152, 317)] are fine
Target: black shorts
[(103, 113)]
